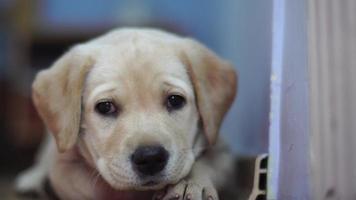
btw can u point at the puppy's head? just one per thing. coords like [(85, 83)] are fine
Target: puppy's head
[(137, 103)]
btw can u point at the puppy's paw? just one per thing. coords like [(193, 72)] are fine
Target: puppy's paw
[(189, 189)]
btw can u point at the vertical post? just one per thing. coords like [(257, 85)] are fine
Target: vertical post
[(275, 108), (289, 123), (332, 61)]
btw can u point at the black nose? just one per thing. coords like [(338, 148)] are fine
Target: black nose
[(149, 160)]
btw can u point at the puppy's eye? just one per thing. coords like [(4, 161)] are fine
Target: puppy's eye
[(175, 102), (106, 108)]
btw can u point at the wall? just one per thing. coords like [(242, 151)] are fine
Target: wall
[(289, 170), (246, 39), (332, 61)]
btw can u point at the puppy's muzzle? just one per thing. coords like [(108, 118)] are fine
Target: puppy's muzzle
[(149, 160)]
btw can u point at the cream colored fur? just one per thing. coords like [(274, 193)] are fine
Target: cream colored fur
[(136, 68)]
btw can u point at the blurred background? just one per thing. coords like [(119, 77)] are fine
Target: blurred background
[(35, 33)]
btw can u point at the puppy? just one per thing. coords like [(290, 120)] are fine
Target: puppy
[(133, 115)]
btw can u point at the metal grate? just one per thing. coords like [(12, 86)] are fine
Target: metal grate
[(259, 191)]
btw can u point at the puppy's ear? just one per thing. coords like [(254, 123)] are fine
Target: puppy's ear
[(214, 82), (57, 93)]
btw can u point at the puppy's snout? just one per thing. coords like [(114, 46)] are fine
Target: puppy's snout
[(149, 160)]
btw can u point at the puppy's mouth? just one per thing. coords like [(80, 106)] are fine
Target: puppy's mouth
[(150, 183), (155, 182)]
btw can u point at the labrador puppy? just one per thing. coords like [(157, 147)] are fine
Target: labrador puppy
[(133, 114)]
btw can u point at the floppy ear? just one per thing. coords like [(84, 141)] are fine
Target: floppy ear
[(57, 93), (214, 82)]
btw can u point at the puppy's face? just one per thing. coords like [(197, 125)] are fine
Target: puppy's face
[(138, 103), (140, 117)]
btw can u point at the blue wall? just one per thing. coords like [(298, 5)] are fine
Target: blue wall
[(245, 39)]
